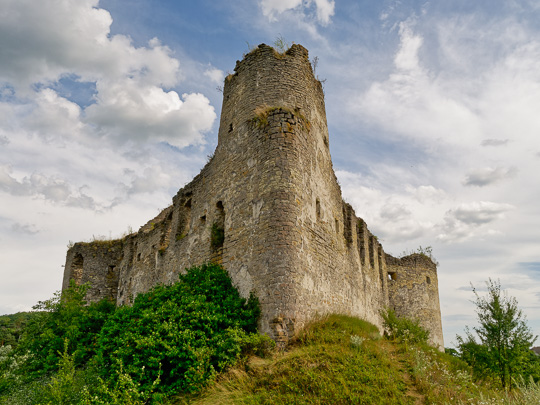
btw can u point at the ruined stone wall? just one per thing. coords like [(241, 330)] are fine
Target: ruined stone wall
[(270, 188), (414, 292), (95, 263)]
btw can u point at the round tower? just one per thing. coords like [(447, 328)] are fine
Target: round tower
[(266, 79), (413, 292)]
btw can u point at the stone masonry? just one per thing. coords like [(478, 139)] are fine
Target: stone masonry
[(268, 207)]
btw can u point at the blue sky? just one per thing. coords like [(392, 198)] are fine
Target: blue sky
[(107, 108)]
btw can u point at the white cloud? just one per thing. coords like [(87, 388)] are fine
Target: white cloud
[(464, 221), (324, 9), (215, 75), (127, 111), (39, 41), (49, 188), (494, 142), (51, 116), (481, 212), (48, 40), (488, 175), (153, 178), (427, 194), (28, 229)]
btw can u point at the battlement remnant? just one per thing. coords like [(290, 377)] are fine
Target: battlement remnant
[(268, 207)]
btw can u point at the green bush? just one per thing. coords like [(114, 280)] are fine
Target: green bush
[(403, 329), (173, 339), (183, 333), (64, 317)]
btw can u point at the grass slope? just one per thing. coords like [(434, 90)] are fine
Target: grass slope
[(343, 360)]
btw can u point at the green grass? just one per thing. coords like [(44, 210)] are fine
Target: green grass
[(343, 360)]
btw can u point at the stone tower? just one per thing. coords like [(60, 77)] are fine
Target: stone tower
[(268, 207)]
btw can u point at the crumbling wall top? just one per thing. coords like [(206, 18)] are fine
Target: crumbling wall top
[(297, 51)]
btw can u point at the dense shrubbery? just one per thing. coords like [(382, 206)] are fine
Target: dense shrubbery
[(183, 333), (173, 339), (63, 318), (403, 329)]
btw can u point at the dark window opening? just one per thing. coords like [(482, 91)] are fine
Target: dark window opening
[(217, 234), (318, 208), (77, 266), (184, 220), (428, 280), (361, 241), (371, 251)]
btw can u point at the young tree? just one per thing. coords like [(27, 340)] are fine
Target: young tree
[(505, 338)]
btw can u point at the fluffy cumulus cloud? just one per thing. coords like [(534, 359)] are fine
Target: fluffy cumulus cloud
[(90, 125), (323, 9), (43, 42)]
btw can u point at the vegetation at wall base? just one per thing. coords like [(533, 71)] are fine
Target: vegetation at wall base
[(215, 356), (343, 360), (172, 339)]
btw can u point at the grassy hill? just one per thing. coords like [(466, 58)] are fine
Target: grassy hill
[(344, 360)]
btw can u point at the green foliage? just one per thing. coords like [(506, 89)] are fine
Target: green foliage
[(184, 333), (173, 339), (12, 327), (503, 350), (403, 329), (64, 317), (62, 389), (124, 391), (281, 45), (321, 367), (217, 235), (10, 364), (342, 360)]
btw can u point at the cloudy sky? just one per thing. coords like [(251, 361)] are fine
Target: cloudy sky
[(108, 107)]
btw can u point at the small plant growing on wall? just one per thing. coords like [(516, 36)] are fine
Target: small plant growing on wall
[(217, 236), (281, 45)]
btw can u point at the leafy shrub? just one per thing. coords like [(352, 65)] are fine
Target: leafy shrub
[(64, 317), (403, 329), (183, 333), (173, 339)]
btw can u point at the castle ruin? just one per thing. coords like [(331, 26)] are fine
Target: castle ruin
[(268, 207)]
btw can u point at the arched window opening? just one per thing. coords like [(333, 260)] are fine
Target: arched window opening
[(217, 237), (77, 266), (184, 220)]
